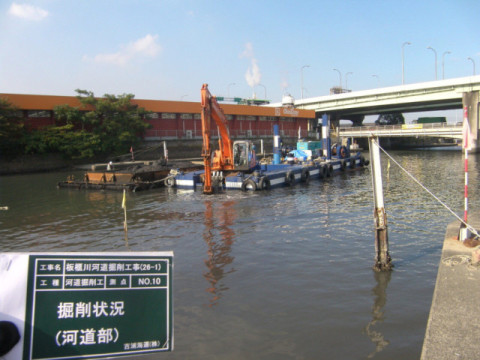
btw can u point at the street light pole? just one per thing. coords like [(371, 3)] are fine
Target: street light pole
[(430, 48), (340, 74), (264, 88), (403, 60), (228, 89), (443, 63), (301, 71), (473, 62), (346, 79)]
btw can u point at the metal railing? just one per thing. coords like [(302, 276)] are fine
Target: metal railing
[(155, 134), (431, 129)]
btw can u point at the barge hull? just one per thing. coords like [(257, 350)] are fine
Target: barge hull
[(269, 176)]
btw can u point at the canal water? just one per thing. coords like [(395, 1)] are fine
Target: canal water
[(282, 274)]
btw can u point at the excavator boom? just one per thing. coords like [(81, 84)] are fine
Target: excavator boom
[(224, 157)]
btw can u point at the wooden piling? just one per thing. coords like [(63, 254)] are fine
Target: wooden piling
[(383, 261)]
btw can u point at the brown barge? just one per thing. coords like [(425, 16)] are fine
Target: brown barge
[(137, 177)]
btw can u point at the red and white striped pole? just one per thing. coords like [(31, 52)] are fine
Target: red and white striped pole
[(466, 145)]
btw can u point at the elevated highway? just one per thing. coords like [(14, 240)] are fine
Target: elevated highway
[(447, 94), (427, 96)]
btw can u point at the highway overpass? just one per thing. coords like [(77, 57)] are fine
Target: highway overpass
[(427, 96), (447, 94)]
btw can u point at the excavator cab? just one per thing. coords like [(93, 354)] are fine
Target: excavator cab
[(244, 155)]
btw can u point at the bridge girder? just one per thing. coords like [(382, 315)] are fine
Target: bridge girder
[(434, 95)]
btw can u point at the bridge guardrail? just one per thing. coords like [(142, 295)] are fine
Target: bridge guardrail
[(396, 127), (432, 129)]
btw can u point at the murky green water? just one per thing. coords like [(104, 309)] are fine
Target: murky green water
[(284, 274)]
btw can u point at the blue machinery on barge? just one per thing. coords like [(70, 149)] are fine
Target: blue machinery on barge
[(267, 176)]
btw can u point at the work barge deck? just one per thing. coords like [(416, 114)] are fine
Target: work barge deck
[(268, 176), (184, 175)]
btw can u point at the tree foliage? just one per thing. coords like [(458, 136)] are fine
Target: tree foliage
[(100, 126), (70, 143), (390, 119), (12, 129), (117, 121)]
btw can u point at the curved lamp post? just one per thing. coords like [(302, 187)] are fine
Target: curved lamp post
[(443, 63), (435, 52), (265, 89), (340, 74), (403, 60), (228, 89), (301, 71), (346, 79), (473, 62)]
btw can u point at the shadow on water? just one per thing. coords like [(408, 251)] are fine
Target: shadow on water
[(219, 251), (378, 312)]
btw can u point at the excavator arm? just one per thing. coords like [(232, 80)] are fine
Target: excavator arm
[(223, 158)]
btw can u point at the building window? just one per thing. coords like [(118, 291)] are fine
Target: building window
[(229, 117), (241, 117), (267, 118), (169, 116), (39, 114), (152, 116), (251, 118), (186, 116), (197, 116)]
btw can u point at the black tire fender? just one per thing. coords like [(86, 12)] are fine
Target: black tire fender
[(305, 176), (290, 178), (322, 172), (249, 184), (264, 183), (170, 182), (330, 170)]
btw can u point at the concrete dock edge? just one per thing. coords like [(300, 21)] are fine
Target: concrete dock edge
[(453, 328)]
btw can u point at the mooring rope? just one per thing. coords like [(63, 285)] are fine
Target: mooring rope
[(469, 227)]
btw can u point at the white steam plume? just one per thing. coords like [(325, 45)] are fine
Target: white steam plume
[(253, 74)]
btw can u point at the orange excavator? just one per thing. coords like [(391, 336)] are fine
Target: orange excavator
[(228, 158)]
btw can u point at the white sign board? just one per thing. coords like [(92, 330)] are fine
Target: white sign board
[(87, 305)]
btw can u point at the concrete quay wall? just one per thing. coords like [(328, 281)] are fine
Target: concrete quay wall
[(453, 329)]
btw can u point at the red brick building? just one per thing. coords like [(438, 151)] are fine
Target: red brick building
[(179, 119)]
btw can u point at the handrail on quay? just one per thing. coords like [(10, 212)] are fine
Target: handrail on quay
[(435, 129)]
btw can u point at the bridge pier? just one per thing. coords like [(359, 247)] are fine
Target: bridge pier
[(471, 102)]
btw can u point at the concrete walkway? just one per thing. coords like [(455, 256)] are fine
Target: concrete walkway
[(453, 329)]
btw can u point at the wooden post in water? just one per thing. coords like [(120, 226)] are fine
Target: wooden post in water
[(383, 261)]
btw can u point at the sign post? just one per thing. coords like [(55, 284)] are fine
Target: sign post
[(82, 305)]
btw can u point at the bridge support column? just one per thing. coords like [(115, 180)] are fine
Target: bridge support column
[(471, 101)]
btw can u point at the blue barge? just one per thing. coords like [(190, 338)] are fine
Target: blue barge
[(234, 165), (267, 176)]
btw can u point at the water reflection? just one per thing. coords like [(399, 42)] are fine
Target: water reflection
[(219, 237), (378, 312)]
